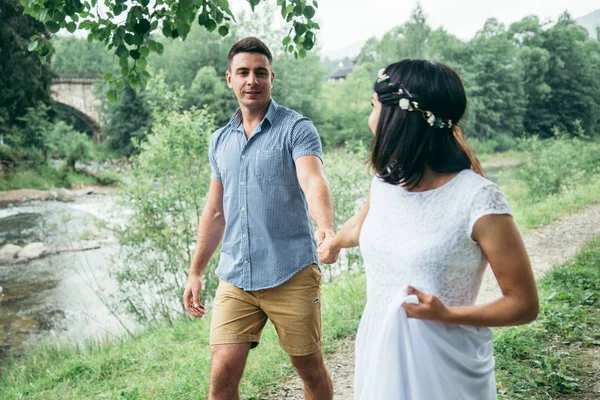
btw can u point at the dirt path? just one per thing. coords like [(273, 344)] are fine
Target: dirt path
[(547, 246)]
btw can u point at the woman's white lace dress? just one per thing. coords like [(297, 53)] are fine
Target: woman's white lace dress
[(423, 239)]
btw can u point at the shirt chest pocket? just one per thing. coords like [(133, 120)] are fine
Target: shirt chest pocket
[(269, 164)]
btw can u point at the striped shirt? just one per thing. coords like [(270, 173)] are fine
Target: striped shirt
[(268, 234)]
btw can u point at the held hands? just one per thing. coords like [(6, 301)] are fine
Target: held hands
[(191, 297), (328, 251), (430, 308)]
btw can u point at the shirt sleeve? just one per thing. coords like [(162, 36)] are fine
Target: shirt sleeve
[(305, 140), (488, 200), (214, 168)]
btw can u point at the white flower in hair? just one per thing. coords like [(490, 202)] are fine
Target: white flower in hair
[(430, 118), (404, 104), (381, 76)]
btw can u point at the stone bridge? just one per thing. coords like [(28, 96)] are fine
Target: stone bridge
[(78, 94)]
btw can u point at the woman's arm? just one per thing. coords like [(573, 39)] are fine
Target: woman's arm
[(348, 234), (503, 246)]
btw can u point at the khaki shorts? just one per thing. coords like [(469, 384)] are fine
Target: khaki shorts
[(294, 307)]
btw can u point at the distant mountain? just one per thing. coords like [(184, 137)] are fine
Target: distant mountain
[(351, 51), (590, 22)]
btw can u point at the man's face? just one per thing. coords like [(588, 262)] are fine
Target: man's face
[(251, 78)]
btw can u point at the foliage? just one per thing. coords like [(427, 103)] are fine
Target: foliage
[(75, 57), (133, 40), (126, 121), (346, 107), (557, 165), (24, 81), (546, 359), (166, 193), (210, 90)]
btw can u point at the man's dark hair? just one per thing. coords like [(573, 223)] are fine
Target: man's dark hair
[(249, 45)]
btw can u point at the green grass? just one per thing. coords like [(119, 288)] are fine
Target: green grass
[(45, 177), (549, 358), (542, 360), (168, 362), (530, 214)]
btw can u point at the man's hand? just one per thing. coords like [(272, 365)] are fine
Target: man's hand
[(191, 297), (322, 234), (328, 251)]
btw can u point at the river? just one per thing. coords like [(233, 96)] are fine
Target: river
[(57, 296)]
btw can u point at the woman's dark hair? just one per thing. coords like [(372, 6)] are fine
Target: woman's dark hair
[(405, 143), (249, 45)]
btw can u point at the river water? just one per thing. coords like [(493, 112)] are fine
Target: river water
[(59, 296)]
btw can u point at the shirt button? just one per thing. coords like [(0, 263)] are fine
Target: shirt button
[(246, 261), (243, 156), (244, 235), (242, 183), (243, 209)]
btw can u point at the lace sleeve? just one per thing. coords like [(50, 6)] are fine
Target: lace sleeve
[(488, 200)]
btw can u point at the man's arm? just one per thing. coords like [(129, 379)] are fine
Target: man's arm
[(210, 233), (309, 170)]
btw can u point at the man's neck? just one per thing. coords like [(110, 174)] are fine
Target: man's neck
[(252, 117)]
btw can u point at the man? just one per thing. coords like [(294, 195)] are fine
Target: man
[(267, 177)]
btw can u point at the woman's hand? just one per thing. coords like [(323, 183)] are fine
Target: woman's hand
[(328, 251), (430, 308)]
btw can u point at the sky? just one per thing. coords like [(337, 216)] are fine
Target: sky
[(348, 22)]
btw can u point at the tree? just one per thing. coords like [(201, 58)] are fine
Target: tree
[(572, 78), (210, 90), (493, 80), (127, 120), (75, 57), (127, 28), (24, 81)]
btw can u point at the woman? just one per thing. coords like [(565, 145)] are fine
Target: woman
[(429, 227)]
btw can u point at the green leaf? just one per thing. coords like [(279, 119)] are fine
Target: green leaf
[(71, 26), (290, 48), (309, 12), (286, 40), (289, 9), (203, 18), (120, 84), (144, 51), (134, 54), (308, 44), (32, 45), (52, 26), (122, 52), (107, 76), (300, 28), (144, 2), (141, 63), (315, 4), (210, 25), (156, 47), (142, 27), (223, 30), (111, 96), (34, 37), (45, 49), (166, 30)]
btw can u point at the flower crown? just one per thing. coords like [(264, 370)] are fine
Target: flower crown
[(408, 103)]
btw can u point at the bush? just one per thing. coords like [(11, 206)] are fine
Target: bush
[(556, 165), (166, 194)]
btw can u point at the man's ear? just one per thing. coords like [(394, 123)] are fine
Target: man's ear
[(228, 79), (272, 78)]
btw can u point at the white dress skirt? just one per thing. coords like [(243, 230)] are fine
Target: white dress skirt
[(423, 239)]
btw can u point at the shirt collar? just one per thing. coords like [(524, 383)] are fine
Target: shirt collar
[(236, 121)]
